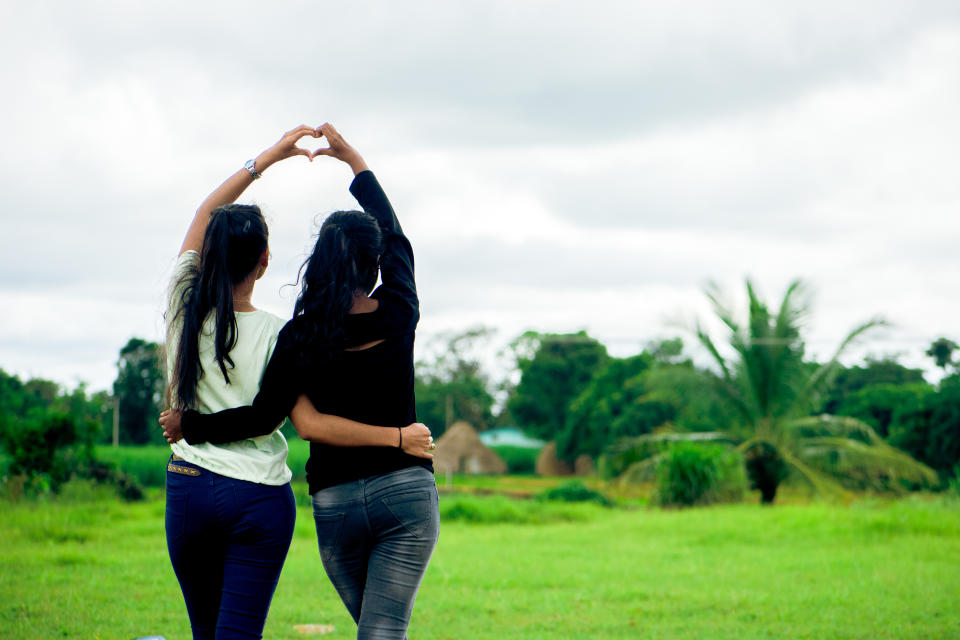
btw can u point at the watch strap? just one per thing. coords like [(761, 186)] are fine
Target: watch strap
[(250, 165)]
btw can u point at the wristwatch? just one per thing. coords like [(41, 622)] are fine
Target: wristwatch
[(249, 165)]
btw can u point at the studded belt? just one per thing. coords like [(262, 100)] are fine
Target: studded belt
[(182, 470)]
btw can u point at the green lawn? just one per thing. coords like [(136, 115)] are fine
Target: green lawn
[(88, 566)]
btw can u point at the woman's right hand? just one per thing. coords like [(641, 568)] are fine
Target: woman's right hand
[(417, 440), (286, 147), (339, 149), (170, 421)]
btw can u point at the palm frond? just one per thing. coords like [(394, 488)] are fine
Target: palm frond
[(836, 426), (673, 436), (711, 348), (876, 463), (826, 369), (786, 351), (821, 483), (790, 314), (721, 310), (726, 383), (641, 471)]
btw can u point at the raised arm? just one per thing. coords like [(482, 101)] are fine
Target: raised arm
[(396, 263), (235, 185)]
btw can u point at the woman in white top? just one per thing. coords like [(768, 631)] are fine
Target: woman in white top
[(230, 509)]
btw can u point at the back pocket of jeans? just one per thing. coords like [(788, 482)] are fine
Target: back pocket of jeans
[(415, 511), (329, 528)]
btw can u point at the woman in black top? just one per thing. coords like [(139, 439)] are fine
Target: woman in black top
[(349, 348)]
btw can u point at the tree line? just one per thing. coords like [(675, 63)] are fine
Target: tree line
[(834, 426)]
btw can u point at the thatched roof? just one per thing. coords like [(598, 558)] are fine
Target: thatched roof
[(583, 465), (548, 464), (460, 450)]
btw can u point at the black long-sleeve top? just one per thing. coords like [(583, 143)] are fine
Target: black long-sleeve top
[(373, 385)]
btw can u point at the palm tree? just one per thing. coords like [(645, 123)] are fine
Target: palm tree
[(774, 391)]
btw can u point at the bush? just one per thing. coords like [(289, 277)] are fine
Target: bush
[(696, 474), (105, 473), (48, 444), (520, 460), (575, 491), (147, 464)]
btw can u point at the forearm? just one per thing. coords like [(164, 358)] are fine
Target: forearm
[(396, 263), (357, 163), (271, 405), (229, 425), (337, 431), (236, 184), (226, 193)]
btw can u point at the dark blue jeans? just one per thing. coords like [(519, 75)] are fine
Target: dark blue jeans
[(376, 537), (227, 539)]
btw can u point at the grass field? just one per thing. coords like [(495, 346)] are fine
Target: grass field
[(85, 565)]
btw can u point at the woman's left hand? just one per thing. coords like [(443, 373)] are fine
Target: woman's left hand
[(170, 421)]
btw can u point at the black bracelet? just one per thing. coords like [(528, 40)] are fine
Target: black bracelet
[(400, 444)]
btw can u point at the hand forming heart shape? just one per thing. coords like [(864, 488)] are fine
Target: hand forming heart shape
[(318, 132), (302, 132), (287, 146)]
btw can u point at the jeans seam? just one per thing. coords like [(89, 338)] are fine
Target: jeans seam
[(365, 507), (341, 518)]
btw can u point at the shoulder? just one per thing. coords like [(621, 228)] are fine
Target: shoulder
[(190, 256), (274, 322), (396, 312), (289, 331), (363, 182), (185, 272), (261, 323), (188, 263)]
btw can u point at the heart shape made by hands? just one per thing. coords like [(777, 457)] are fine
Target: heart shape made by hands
[(312, 152)]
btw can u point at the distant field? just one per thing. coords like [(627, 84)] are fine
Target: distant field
[(149, 464), (88, 566)]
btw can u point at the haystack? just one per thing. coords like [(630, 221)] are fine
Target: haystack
[(459, 450), (583, 465), (548, 464)]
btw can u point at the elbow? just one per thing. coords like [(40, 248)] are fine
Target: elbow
[(306, 420), (305, 429), (310, 426)]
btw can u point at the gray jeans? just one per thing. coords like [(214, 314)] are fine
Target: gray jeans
[(376, 536)]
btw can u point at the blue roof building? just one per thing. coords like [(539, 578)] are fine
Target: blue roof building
[(509, 437)]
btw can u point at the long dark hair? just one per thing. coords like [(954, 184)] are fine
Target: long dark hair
[(345, 259), (232, 245)]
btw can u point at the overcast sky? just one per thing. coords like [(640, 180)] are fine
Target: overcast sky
[(558, 166)]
